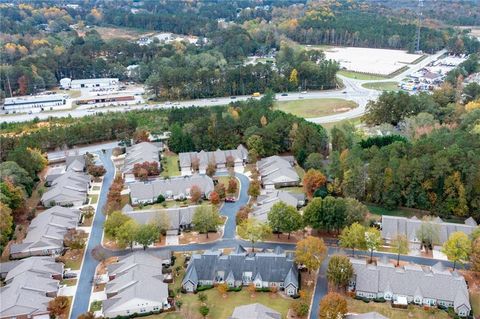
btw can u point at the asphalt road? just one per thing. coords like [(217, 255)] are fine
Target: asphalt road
[(353, 91), (81, 299), (229, 240)]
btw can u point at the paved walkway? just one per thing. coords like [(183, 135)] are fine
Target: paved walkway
[(82, 296)]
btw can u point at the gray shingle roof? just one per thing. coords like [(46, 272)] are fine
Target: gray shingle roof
[(219, 157), (137, 277), (392, 225), (272, 267), (277, 169), (43, 266), (180, 186), (139, 153), (255, 311), (75, 163), (69, 187), (431, 282), (46, 231), (265, 203), (368, 315), (181, 216)]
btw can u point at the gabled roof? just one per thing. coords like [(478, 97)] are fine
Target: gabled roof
[(138, 279), (170, 187), (393, 225), (411, 280), (266, 202), (270, 266), (44, 266), (46, 231), (178, 216), (255, 311), (276, 169), (75, 163), (140, 153), (218, 157), (368, 315)]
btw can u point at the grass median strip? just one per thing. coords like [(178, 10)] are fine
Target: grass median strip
[(309, 108)]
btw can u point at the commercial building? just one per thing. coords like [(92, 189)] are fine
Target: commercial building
[(239, 268), (429, 286), (67, 83), (35, 103)]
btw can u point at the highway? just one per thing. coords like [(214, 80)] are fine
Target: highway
[(353, 91)]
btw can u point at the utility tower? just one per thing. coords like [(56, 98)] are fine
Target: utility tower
[(419, 24)]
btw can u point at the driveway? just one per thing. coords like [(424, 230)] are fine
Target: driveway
[(82, 296)]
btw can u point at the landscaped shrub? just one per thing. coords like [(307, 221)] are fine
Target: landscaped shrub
[(263, 289), (204, 287), (296, 296), (235, 289), (379, 299)]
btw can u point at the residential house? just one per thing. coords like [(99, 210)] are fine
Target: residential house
[(188, 161), (138, 154), (180, 217), (29, 285), (368, 315), (393, 225), (430, 286), (136, 286), (265, 203), (69, 189), (46, 232), (42, 265), (239, 268), (170, 188), (255, 311), (74, 163), (278, 171)]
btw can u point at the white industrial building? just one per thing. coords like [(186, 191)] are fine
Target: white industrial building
[(67, 83), (35, 103)]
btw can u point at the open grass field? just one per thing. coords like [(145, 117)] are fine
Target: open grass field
[(123, 33), (354, 121), (414, 312), (377, 210), (360, 76), (315, 107), (170, 165), (382, 86)]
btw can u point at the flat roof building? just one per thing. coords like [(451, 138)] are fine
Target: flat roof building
[(67, 83), (34, 103)]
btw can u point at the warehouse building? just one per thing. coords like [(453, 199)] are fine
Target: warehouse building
[(67, 83), (35, 103)]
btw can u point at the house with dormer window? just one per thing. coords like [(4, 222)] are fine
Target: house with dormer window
[(266, 269)]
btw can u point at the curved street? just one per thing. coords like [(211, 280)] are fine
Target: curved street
[(82, 297), (353, 90)]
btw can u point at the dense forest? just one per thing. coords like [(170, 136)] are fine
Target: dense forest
[(41, 42)]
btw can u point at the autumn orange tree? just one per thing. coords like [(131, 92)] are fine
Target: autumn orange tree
[(310, 252), (59, 306), (222, 289), (232, 186), (333, 306), (312, 180), (214, 198), (195, 194)]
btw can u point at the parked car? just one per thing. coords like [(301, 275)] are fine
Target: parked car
[(233, 97), (284, 94), (69, 275), (230, 200), (304, 92)]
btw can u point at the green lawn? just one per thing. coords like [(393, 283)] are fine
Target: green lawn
[(222, 308), (170, 166), (95, 306), (224, 180), (414, 312), (294, 189), (382, 86), (166, 315), (315, 107), (95, 188), (360, 76), (354, 121), (68, 282), (94, 199), (475, 302), (377, 210)]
